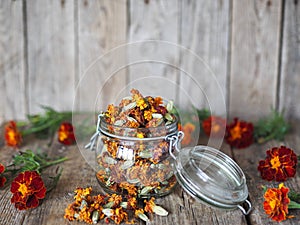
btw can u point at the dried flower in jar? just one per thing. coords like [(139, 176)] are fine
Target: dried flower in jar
[(140, 166)]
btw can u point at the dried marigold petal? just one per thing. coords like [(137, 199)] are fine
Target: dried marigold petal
[(279, 164), (13, 137)]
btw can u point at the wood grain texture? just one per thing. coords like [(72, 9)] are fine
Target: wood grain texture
[(290, 61), (152, 64), (205, 31), (101, 28), (254, 57), (50, 28), (12, 61)]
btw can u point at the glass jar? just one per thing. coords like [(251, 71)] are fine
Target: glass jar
[(151, 166), (135, 161)]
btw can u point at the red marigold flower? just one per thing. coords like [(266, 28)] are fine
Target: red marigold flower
[(239, 134), (214, 126), (276, 203), (2, 168), (279, 164), (2, 178), (27, 189), (13, 137), (66, 134), (2, 181)]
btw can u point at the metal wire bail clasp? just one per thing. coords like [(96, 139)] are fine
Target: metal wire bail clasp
[(174, 141), (248, 209), (91, 144)]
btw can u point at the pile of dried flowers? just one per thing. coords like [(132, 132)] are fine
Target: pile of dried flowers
[(117, 208)]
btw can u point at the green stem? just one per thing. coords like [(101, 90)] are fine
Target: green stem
[(294, 205), (47, 164), (55, 181), (262, 140), (40, 128)]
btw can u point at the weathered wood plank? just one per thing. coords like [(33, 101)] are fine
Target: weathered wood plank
[(290, 60), (254, 57), (101, 28), (50, 26), (12, 61), (151, 63), (248, 160), (205, 29)]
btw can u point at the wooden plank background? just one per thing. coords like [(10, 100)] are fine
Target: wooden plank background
[(251, 47)]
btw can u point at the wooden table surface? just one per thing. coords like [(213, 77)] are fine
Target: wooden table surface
[(182, 208)]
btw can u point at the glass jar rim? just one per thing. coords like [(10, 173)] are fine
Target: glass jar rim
[(165, 129)]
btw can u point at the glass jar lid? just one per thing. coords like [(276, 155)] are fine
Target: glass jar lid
[(211, 177)]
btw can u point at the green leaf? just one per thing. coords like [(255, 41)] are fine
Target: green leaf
[(294, 196), (293, 205), (46, 125), (34, 162), (271, 127)]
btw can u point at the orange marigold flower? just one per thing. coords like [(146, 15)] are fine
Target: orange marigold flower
[(66, 134), (279, 164), (239, 134), (27, 189), (13, 137), (276, 203), (214, 126), (2, 178), (188, 130)]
